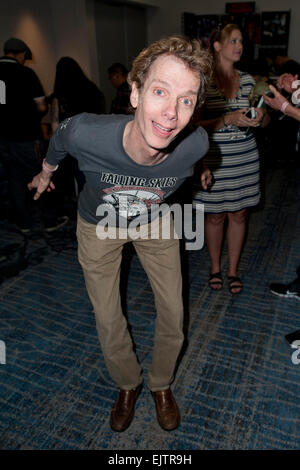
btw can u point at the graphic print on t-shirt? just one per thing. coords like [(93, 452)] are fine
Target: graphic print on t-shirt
[(132, 196)]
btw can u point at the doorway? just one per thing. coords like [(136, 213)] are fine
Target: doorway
[(120, 35)]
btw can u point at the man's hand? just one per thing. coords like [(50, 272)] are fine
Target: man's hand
[(41, 182), (275, 102), (206, 178), (286, 81)]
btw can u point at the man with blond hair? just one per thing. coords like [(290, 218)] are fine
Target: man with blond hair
[(133, 164)]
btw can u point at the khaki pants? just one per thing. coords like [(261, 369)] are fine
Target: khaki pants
[(100, 261)]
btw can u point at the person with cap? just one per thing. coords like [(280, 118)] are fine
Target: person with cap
[(20, 130)]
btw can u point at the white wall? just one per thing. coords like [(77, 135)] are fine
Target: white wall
[(56, 28), (74, 32), (52, 29), (32, 22), (121, 35), (167, 18)]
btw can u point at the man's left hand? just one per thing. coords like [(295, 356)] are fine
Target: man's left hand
[(275, 102), (206, 178)]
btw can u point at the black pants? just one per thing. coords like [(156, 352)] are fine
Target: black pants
[(21, 162)]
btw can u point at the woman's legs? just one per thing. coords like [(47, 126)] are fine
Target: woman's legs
[(235, 239), (214, 227), (236, 230)]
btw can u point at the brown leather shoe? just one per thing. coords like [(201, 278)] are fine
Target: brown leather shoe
[(122, 412), (167, 411)]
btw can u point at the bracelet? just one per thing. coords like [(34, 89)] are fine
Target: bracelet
[(47, 170), (284, 106)]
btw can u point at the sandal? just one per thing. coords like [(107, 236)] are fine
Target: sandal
[(235, 283), (219, 281)]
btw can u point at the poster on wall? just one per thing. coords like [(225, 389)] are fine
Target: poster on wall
[(205, 24), (275, 28), (200, 26)]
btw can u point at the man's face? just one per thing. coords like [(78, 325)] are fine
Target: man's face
[(116, 79), (165, 104)]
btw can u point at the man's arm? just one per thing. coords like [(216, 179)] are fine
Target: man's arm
[(36, 91), (60, 144), (280, 103)]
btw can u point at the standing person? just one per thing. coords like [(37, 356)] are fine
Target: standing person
[(117, 74), (286, 65), (280, 103), (286, 149), (74, 92), (134, 163), (232, 157), (20, 131)]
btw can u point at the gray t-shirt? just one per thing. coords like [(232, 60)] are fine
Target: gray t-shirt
[(114, 181)]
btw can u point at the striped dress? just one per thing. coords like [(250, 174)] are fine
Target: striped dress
[(232, 156)]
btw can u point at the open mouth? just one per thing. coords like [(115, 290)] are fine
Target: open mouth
[(162, 130)]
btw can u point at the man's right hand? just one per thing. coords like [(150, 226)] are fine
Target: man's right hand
[(41, 182), (276, 102), (286, 81)]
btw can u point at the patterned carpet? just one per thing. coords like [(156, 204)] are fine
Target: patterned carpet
[(236, 385)]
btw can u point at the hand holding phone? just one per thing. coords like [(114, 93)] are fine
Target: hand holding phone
[(261, 101)]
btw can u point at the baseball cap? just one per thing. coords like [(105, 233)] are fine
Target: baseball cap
[(17, 45)]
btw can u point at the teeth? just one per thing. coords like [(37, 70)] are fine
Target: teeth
[(162, 128)]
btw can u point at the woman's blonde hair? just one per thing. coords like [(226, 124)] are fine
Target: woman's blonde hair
[(221, 33), (190, 51)]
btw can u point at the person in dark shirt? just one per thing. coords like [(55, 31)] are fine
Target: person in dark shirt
[(20, 130), (117, 74), (74, 93), (132, 165), (284, 64), (20, 119), (285, 150), (289, 84)]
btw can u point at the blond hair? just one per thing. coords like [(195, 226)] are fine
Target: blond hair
[(193, 55), (220, 34)]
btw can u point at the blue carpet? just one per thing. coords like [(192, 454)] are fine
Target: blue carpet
[(236, 385)]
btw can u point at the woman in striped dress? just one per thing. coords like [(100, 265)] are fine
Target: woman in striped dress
[(232, 156)]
